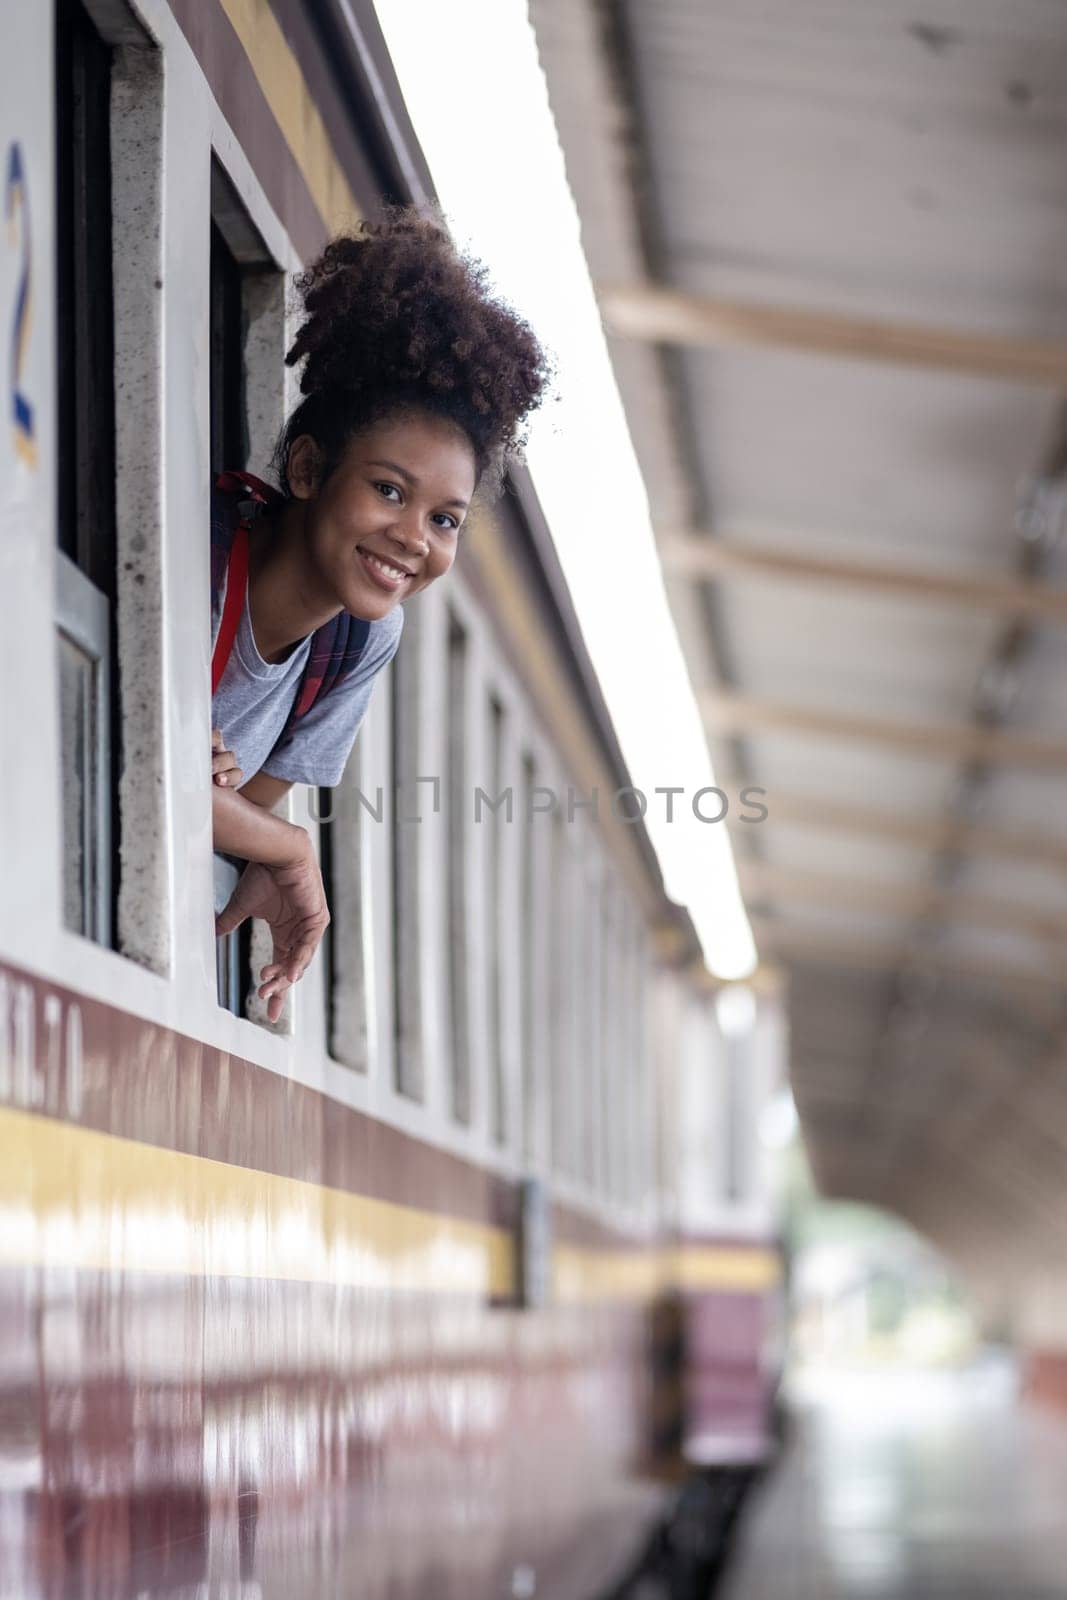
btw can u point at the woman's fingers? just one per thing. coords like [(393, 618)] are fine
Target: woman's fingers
[(224, 768), (231, 916), (274, 991), (299, 960), (278, 977)]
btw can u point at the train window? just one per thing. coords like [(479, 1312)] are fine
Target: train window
[(345, 844), (591, 1051), (643, 1104), (496, 925), (583, 1008), (229, 448), (406, 856), (86, 556), (640, 1128), (229, 426), (614, 1043), (561, 1002), (457, 933), (243, 282), (628, 1062), (533, 932), (247, 334), (605, 1042)]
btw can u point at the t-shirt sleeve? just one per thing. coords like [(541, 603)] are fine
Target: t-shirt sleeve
[(317, 747)]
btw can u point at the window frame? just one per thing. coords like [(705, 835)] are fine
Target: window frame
[(83, 615), (242, 277), (85, 607)]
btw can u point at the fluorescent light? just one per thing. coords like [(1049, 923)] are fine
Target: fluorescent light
[(477, 98), (735, 1010)]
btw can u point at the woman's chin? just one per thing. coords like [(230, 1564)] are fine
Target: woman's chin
[(370, 605)]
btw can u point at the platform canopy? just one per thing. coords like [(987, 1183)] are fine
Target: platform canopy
[(830, 244)]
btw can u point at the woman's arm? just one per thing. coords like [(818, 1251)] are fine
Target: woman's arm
[(282, 884), (263, 790), (243, 828)]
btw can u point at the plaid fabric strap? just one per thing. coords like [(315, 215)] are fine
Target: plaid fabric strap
[(335, 647)]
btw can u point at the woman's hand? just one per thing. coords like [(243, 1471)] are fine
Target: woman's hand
[(224, 769), (290, 898)]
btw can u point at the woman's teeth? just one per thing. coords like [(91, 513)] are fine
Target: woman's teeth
[(383, 566)]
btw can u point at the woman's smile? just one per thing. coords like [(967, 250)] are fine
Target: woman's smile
[(382, 571)]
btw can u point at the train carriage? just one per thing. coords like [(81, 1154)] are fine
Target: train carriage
[(360, 1303)]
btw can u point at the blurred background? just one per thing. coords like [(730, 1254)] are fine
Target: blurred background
[(824, 243)]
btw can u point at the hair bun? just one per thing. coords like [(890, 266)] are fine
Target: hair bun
[(395, 309)]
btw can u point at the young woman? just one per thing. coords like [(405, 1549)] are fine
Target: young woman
[(416, 385)]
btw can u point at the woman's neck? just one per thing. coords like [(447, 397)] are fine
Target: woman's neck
[(285, 603)]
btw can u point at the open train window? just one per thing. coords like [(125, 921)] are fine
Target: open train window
[(85, 557), (242, 276)]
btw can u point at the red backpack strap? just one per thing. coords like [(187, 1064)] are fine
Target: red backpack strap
[(254, 488), (236, 583), (250, 489), (336, 647)]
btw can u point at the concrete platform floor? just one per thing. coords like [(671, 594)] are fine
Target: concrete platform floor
[(910, 1486)]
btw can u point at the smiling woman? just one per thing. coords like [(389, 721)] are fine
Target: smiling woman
[(416, 385)]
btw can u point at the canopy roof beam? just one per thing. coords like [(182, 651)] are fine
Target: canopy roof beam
[(914, 901), (798, 945), (699, 555), (971, 839), (668, 316), (728, 713)]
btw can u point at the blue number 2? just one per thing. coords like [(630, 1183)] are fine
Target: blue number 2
[(17, 212)]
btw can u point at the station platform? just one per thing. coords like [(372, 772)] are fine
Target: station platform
[(910, 1486)]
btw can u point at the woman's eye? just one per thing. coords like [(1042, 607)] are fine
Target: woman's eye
[(386, 490), (443, 520)]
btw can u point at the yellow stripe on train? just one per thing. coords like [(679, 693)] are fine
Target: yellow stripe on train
[(73, 1197), (585, 1274)]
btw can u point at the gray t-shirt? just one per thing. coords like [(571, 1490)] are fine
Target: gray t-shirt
[(252, 704)]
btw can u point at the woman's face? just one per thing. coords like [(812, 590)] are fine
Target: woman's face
[(385, 523)]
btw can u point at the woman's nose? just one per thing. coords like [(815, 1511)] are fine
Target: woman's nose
[(408, 532)]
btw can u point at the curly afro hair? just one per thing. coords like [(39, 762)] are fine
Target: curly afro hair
[(398, 319)]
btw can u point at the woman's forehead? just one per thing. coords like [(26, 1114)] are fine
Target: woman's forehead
[(417, 443)]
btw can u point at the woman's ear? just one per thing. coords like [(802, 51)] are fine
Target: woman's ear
[(304, 467)]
